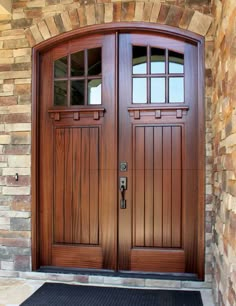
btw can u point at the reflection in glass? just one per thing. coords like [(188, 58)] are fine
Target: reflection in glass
[(139, 90), (77, 92), (77, 64), (95, 61), (60, 67), (95, 91), (60, 93), (157, 60), (158, 90), (176, 62), (176, 90), (139, 60)]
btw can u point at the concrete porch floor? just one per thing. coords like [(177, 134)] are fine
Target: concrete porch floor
[(15, 290)]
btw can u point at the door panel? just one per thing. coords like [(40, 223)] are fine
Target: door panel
[(161, 160), (78, 155), (119, 104)]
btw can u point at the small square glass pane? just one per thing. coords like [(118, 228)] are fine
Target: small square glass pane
[(77, 64), (60, 68), (158, 60), (139, 90), (158, 89), (95, 91), (176, 90), (60, 93), (176, 62), (95, 61), (77, 92), (139, 60)]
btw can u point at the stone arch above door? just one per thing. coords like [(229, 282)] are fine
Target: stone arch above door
[(120, 11)]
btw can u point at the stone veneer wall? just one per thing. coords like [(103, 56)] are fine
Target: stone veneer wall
[(224, 152), (32, 22)]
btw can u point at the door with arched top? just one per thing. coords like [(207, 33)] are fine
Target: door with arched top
[(119, 149)]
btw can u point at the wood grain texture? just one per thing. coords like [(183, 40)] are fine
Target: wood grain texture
[(151, 260)]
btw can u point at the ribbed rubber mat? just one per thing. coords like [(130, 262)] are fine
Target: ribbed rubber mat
[(54, 294)]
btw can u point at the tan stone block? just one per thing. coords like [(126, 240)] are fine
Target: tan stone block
[(44, 30), (147, 11), (82, 16), (22, 161), (14, 74), (13, 171), (23, 59), (138, 14), (127, 11), (18, 15), (155, 11), (6, 53), (56, 8), (52, 26), (15, 43), (4, 27), (17, 127), (164, 10), (90, 14), (36, 34), (66, 21), (36, 3), (20, 138), (174, 16), (200, 23), (13, 32), (22, 81), (74, 18), (6, 60), (108, 17), (100, 11), (30, 38), (117, 11), (16, 190), (5, 139)]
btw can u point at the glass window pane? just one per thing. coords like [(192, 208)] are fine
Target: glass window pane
[(60, 67), (95, 91), (77, 92), (158, 86), (95, 61), (139, 60), (176, 90), (60, 93), (139, 90), (157, 60), (77, 64), (176, 62)]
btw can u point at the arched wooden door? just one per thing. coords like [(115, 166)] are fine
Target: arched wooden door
[(119, 150)]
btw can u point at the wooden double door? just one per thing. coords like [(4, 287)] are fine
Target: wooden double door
[(119, 154)]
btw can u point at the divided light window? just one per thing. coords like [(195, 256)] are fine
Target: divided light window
[(157, 76), (78, 78)]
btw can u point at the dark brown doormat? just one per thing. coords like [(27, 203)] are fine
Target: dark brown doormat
[(62, 294)]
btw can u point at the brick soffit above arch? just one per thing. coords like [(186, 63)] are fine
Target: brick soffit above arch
[(103, 13)]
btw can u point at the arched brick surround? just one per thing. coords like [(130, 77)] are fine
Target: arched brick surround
[(98, 13)]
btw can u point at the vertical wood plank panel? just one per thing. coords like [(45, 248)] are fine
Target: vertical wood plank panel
[(68, 185), (85, 186), (167, 187), (139, 187), (176, 186), (148, 186), (76, 185), (158, 185), (59, 185), (94, 190)]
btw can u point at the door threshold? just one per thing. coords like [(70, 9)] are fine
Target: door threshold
[(124, 274)]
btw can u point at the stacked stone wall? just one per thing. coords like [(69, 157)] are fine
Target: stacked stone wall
[(224, 151), (32, 22)]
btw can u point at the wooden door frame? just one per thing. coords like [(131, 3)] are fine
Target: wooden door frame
[(103, 29)]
